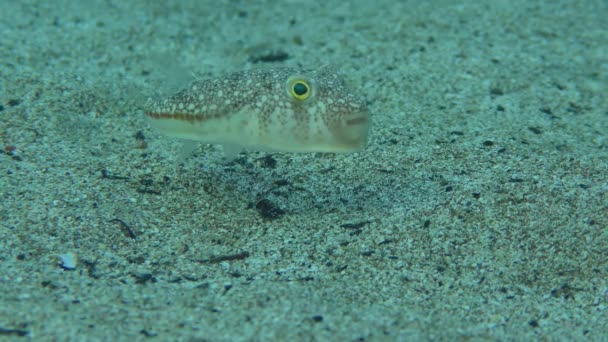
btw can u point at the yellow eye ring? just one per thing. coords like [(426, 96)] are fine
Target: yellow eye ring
[(299, 89)]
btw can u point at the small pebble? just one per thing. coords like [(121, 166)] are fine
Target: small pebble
[(68, 261)]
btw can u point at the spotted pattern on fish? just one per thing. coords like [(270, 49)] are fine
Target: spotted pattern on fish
[(282, 109)]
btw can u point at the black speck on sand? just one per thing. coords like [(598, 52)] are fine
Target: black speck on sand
[(479, 210)]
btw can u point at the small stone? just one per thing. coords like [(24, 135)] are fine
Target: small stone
[(68, 261)]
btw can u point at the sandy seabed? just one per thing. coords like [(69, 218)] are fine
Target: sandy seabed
[(479, 210)]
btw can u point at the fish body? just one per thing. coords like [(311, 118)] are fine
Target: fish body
[(283, 109)]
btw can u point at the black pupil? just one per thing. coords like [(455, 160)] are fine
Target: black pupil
[(300, 89)]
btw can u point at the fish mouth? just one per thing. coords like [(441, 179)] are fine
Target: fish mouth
[(353, 134), (357, 120)]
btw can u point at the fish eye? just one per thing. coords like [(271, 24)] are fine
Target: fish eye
[(299, 89)]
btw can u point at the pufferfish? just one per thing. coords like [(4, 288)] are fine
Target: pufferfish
[(285, 109)]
